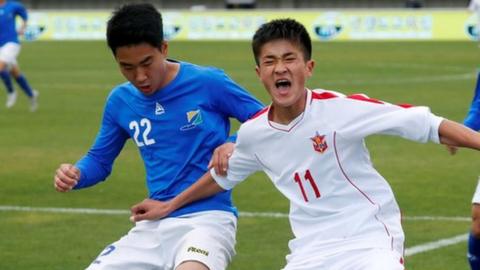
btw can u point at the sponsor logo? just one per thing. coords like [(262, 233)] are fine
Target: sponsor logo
[(194, 119), (197, 250), (319, 143), (328, 26), (471, 27)]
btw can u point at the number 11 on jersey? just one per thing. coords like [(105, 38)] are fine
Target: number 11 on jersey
[(308, 177)]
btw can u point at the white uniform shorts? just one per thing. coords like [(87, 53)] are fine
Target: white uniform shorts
[(207, 237), (9, 53), (476, 196), (356, 259)]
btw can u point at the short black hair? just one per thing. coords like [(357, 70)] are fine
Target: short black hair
[(133, 24), (286, 29)]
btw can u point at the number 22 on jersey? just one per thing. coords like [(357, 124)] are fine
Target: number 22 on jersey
[(144, 127), (307, 177)]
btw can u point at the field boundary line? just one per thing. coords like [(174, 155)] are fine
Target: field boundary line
[(408, 251), (97, 211), (436, 244)]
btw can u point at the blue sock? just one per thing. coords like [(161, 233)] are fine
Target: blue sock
[(473, 117), (473, 254), (22, 81), (7, 81)]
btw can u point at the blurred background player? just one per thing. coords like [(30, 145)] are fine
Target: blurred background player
[(474, 7), (177, 113), (9, 51), (473, 121)]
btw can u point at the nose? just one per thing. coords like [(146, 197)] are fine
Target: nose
[(280, 67), (140, 74)]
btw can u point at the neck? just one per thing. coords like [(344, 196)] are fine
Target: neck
[(172, 69), (286, 114)]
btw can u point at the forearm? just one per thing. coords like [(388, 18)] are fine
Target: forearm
[(455, 134), (203, 188)]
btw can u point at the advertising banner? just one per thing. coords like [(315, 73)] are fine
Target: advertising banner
[(323, 25)]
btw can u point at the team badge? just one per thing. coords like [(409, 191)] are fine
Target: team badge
[(194, 119), (319, 143)]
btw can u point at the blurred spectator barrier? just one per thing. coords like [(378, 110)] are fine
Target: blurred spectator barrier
[(323, 25)]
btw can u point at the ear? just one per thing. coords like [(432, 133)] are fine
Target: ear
[(309, 67), (257, 70), (164, 48)]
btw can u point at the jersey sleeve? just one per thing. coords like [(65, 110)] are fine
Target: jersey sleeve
[(21, 11), (368, 116), (233, 100), (97, 164), (241, 164), (472, 120)]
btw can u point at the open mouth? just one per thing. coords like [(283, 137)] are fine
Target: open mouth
[(283, 83)]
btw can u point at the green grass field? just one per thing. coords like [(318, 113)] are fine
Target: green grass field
[(74, 79)]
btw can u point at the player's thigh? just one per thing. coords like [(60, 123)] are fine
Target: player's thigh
[(211, 242), (476, 195), (9, 53), (141, 248)]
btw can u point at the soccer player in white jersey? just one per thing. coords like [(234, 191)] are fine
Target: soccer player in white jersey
[(177, 114), (311, 145)]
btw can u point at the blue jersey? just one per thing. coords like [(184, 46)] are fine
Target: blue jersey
[(176, 130), (473, 117), (8, 13)]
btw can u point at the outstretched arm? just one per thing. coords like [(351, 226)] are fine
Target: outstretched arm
[(454, 134), (151, 209)]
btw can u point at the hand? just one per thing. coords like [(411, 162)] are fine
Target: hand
[(66, 177), (220, 158), (149, 209), (452, 149)]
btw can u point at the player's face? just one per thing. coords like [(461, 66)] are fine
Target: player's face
[(284, 72), (144, 66)]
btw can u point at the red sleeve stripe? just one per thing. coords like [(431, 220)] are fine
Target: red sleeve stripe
[(363, 97), (259, 112), (406, 106), (322, 95)]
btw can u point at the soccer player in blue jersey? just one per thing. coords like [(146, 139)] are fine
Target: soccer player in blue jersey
[(473, 121), (177, 113), (9, 50)]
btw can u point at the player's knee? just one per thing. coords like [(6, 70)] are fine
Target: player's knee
[(476, 228), (192, 265)]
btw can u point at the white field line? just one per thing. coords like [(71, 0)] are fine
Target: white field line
[(435, 244), (408, 251), (96, 211)]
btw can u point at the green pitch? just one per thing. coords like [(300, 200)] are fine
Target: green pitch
[(74, 79)]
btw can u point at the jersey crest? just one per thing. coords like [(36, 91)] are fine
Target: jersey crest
[(319, 143), (194, 119)]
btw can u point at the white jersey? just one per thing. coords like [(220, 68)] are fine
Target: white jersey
[(338, 201)]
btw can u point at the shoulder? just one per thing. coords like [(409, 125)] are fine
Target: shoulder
[(202, 71), (322, 94), (121, 92), (15, 5), (257, 121)]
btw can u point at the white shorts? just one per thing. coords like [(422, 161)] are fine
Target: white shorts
[(476, 196), (207, 237), (9, 53), (356, 259)]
